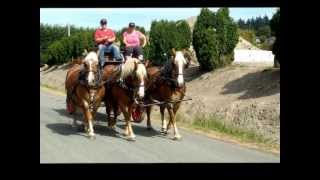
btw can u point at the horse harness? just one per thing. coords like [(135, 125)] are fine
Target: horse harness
[(166, 75), (92, 90), (129, 89)]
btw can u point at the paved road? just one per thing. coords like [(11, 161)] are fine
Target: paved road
[(59, 143)]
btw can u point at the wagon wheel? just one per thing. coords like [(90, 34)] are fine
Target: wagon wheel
[(138, 114)]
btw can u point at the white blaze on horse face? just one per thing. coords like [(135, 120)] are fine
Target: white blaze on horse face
[(180, 61), (141, 89), (180, 79), (141, 73), (90, 58), (90, 75)]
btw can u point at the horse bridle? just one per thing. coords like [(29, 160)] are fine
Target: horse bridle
[(134, 88), (94, 88), (173, 79)]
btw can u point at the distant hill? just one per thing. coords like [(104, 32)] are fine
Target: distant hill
[(244, 44)]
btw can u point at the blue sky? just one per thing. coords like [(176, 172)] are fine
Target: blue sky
[(120, 17)]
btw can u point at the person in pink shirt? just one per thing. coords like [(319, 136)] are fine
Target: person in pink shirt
[(131, 39)]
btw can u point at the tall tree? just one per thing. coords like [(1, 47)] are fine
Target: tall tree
[(275, 27)]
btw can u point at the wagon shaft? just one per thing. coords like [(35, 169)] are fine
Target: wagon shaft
[(164, 102)]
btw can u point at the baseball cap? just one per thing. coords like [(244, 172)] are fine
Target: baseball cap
[(103, 21), (132, 24)]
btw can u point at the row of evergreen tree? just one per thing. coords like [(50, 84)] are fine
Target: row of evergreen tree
[(254, 23)]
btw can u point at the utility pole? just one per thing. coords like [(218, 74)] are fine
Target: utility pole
[(68, 30)]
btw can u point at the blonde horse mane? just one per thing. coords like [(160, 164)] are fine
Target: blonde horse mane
[(179, 56), (141, 70), (129, 67), (91, 56)]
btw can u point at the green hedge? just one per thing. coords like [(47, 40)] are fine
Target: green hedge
[(165, 35), (63, 50), (215, 36), (54, 39)]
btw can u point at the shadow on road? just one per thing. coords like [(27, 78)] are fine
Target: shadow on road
[(140, 130), (62, 128), (192, 73), (66, 130), (100, 128), (100, 117), (255, 85)]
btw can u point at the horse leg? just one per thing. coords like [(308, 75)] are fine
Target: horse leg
[(163, 121), (126, 116), (149, 127), (89, 126), (93, 113), (74, 122), (74, 114), (108, 111), (131, 136), (176, 107), (176, 133), (148, 109), (170, 122), (115, 115)]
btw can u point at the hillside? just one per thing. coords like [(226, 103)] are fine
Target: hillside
[(244, 96), (244, 44)]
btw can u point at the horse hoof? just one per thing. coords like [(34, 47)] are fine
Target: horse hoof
[(131, 139), (163, 130), (164, 133), (150, 128), (176, 138)]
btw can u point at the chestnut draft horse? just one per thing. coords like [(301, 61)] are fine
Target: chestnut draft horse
[(166, 84), (126, 94), (87, 94)]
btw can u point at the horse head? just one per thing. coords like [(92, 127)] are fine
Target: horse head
[(178, 64), (137, 73), (91, 68)]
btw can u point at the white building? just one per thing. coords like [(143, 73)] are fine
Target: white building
[(245, 56)]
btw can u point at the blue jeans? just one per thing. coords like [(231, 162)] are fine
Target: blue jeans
[(115, 51)]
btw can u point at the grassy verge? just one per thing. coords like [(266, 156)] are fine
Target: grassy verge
[(215, 127), (51, 89)]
